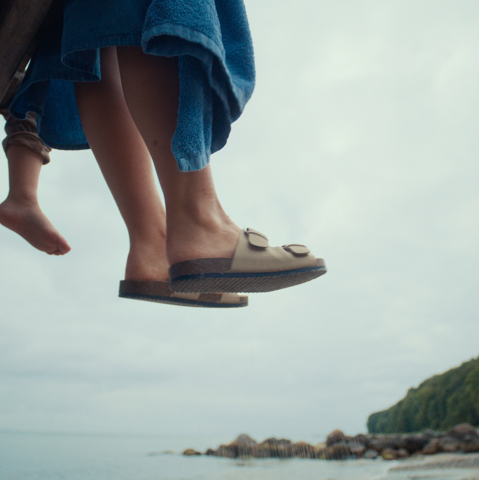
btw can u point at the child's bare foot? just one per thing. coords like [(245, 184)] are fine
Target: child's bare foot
[(27, 219)]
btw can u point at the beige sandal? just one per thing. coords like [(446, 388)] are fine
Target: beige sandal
[(255, 267), (161, 292)]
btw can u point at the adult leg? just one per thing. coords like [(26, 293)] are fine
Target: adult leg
[(197, 226), (127, 168), (21, 211)]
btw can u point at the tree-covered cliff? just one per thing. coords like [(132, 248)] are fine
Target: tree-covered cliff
[(438, 403)]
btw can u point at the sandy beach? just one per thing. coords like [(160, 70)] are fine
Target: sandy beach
[(441, 461)]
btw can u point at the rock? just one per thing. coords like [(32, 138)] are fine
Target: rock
[(244, 440), (462, 430), (338, 451), (357, 449), (413, 443), (394, 442), (274, 442), (389, 454), (338, 446), (402, 453), (469, 444), (448, 444), (362, 439), (242, 446), (226, 451), (321, 450), (380, 444), (371, 455), (304, 450), (245, 446), (377, 445), (322, 453), (336, 436), (431, 448), (189, 452), (430, 434), (275, 448)]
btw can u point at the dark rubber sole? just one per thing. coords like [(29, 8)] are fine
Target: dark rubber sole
[(142, 291), (209, 282), (181, 302)]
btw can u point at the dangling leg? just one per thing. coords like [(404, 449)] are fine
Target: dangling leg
[(126, 165), (21, 211), (127, 168), (198, 227)]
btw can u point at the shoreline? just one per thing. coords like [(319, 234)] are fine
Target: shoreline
[(462, 439), (460, 461)]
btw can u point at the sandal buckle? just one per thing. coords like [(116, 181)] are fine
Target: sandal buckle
[(256, 239), (297, 249)]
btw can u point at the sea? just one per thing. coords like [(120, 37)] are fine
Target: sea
[(63, 456)]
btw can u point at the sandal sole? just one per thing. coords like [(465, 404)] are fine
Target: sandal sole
[(197, 276), (135, 291)]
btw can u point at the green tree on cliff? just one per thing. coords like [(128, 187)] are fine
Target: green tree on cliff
[(439, 403)]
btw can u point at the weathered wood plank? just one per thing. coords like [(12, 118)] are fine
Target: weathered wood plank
[(19, 22)]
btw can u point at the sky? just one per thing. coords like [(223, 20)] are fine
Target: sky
[(361, 142)]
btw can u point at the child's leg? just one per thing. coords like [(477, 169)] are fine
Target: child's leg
[(197, 226), (126, 165), (20, 211)]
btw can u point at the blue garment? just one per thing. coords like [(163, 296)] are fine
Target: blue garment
[(216, 67)]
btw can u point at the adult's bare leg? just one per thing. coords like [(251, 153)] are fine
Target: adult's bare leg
[(21, 211), (127, 168), (197, 226)]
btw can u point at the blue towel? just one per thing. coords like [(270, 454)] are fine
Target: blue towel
[(216, 67)]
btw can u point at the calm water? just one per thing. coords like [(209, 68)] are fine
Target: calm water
[(35, 456)]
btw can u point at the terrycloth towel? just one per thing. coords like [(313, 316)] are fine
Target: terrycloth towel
[(216, 67)]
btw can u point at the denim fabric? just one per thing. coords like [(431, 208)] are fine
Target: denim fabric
[(21, 132), (216, 66)]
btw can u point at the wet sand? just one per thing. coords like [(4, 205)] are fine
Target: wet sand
[(468, 461)]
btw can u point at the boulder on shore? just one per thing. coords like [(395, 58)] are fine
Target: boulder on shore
[(467, 436), (357, 449), (371, 455), (242, 446), (402, 453), (362, 439), (189, 452), (414, 443), (244, 440), (338, 451), (470, 445), (339, 446), (389, 454), (304, 450), (431, 448), (448, 444), (379, 444), (463, 430), (336, 436), (275, 448)]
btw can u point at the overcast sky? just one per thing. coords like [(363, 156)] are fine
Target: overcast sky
[(360, 141)]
